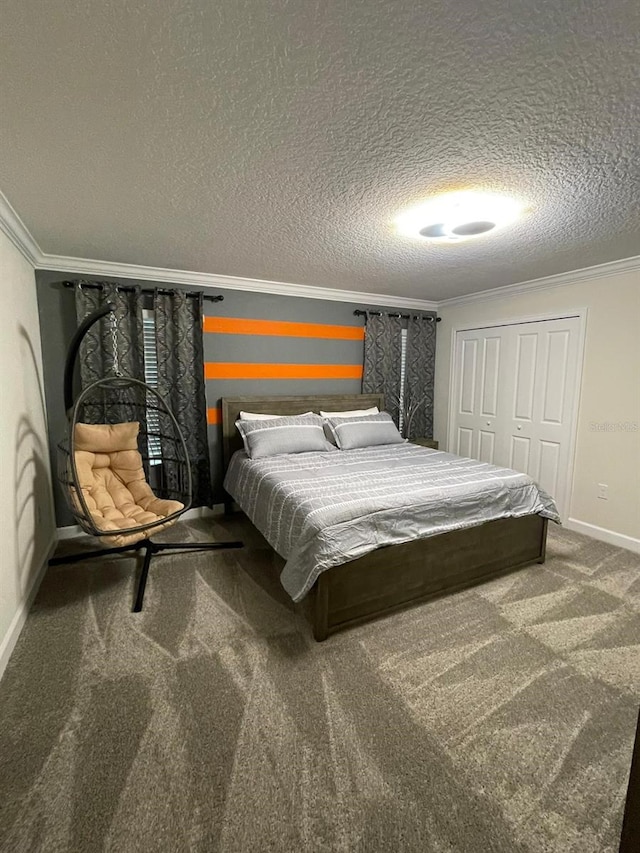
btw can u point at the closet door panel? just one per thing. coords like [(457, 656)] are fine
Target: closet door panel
[(478, 393), (516, 393)]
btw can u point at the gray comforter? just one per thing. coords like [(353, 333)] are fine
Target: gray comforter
[(319, 510)]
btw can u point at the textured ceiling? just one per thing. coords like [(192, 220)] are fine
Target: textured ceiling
[(276, 139)]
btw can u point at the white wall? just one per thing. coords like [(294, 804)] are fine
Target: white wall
[(610, 392), (26, 510)]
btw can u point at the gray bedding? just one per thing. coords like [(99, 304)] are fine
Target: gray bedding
[(319, 510)]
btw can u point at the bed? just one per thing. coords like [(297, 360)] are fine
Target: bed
[(354, 574)]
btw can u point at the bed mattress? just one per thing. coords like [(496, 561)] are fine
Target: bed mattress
[(319, 510)]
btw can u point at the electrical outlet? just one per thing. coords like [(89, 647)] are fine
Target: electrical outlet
[(603, 491)]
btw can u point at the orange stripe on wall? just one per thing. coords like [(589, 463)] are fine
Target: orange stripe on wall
[(214, 416), (240, 326), (245, 370)]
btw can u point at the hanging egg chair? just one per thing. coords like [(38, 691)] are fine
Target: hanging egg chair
[(123, 466)]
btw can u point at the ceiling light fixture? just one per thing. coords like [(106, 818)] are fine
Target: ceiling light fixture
[(457, 216)]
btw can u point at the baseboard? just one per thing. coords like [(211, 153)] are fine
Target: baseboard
[(75, 530), (605, 535), (69, 532), (11, 637), (203, 512)]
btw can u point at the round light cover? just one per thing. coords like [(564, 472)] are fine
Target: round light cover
[(458, 216)]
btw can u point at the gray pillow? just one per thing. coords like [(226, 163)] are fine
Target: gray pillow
[(295, 434), (367, 431)]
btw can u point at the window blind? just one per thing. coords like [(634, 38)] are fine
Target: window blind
[(154, 445), (403, 370)]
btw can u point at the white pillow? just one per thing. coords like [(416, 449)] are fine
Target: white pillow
[(254, 416), (355, 413), (367, 431), (277, 436)]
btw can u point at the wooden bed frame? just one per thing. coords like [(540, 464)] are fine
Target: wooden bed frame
[(398, 575)]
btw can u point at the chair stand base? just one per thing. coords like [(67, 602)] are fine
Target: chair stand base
[(150, 549)]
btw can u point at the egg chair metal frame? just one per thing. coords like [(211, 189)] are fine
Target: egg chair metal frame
[(82, 513), (150, 400)]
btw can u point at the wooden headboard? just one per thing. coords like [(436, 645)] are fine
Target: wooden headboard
[(232, 406)]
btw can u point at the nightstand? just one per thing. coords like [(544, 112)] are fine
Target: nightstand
[(425, 442)]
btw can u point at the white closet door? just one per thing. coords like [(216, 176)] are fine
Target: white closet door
[(515, 394), (542, 393), (479, 395)]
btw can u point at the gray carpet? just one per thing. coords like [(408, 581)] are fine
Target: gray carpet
[(498, 719)]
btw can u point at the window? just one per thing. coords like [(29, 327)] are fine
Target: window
[(403, 370), (154, 446)]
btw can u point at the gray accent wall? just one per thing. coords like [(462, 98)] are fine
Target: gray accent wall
[(57, 323)]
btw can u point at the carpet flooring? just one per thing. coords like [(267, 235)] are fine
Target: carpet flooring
[(498, 719)]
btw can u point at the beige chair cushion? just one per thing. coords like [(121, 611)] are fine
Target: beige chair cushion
[(111, 476)]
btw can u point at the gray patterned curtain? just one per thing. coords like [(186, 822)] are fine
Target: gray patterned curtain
[(419, 372), (97, 352), (178, 320), (382, 359)]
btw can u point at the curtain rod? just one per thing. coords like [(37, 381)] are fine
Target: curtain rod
[(128, 289), (360, 313)]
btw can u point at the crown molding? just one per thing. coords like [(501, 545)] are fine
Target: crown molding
[(611, 268), (87, 266), (17, 232), (84, 266), (21, 237)]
